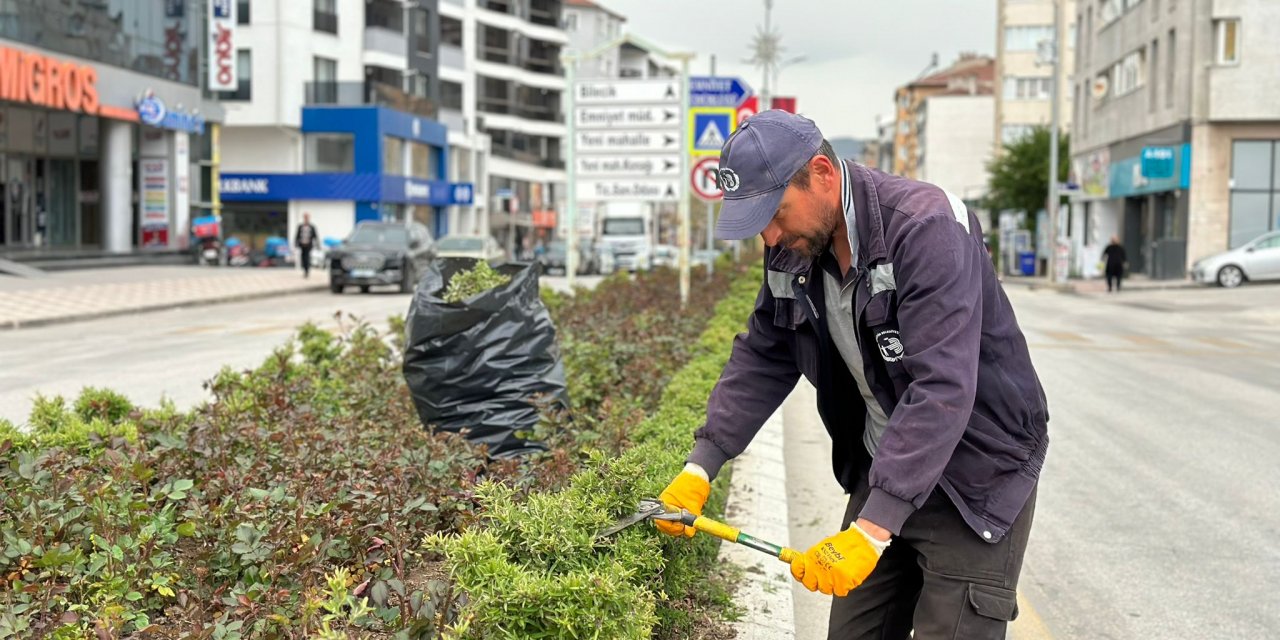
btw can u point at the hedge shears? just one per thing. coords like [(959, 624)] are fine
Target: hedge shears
[(653, 509)]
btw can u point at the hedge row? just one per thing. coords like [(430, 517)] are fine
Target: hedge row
[(534, 569), (294, 503)]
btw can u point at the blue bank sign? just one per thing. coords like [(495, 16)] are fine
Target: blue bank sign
[(359, 187)]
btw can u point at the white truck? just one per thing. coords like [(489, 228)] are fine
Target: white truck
[(626, 231)]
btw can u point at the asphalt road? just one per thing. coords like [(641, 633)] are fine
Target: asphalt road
[(1159, 507), (172, 353)]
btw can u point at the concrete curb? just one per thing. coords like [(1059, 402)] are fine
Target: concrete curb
[(14, 325), (758, 505)]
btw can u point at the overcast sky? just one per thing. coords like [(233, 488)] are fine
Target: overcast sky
[(857, 51)]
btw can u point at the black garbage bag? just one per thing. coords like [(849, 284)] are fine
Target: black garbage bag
[(485, 367)]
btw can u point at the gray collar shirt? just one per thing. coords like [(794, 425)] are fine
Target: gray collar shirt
[(839, 291)]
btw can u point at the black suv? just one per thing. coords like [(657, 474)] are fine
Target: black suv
[(378, 253)]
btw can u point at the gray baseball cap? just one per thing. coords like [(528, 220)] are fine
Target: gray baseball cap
[(756, 164)]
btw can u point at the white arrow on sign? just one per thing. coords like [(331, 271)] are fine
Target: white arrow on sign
[(627, 91), (638, 190), (619, 141), (629, 166), (629, 116)]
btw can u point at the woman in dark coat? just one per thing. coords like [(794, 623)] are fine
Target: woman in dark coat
[(1116, 261)]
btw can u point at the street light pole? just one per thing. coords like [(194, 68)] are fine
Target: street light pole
[(1055, 108), (683, 193)]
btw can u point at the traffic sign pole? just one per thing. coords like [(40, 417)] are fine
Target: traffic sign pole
[(684, 189), (570, 63)]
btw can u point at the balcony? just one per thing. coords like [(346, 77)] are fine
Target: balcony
[(452, 57), (374, 93), (385, 40), (545, 12)]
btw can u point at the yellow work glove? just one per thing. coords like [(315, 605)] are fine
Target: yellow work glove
[(688, 491), (839, 563)]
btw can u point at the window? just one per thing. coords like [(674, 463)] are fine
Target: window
[(1130, 73), (1011, 133), (1227, 41), (451, 95), (324, 16), (1035, 88), (1073, 37), (244, 78), (423, 162), (330, 153), (571, 22), (1155, 76), (422, 31), (450, 31), (392, 156), (1026, 38), (1108, 11), (904, 127), (242, 11), (324, 86), (1255, 189), (1170, 69)]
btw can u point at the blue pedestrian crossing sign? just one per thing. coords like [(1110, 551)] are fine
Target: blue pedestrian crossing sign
[(709, 127)]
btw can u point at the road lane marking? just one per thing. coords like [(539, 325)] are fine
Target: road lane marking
[(1065, 336), (1225, 343), (1029, 625), (1146, 341), (197, 329)]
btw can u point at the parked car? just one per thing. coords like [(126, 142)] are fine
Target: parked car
[(665, 255), (1258, 259), (468, 246), (381, 253), (553, 259)]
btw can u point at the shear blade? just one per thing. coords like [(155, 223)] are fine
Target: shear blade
[(648, 509)]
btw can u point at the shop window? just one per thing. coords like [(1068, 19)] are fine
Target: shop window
[(1255, 189), (392, 156), (330, 153)]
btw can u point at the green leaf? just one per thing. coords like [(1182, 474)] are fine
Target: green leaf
[(184, 484), (133, 596), (187, 529), (379, 593)]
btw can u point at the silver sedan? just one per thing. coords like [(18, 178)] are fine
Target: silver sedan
[(1256, 260)]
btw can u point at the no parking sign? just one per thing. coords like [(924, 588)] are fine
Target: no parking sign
[(704, 177)]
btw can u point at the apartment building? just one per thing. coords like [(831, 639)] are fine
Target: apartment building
[(1022, 100), (502, 86), (969, 71), (1177, 129)]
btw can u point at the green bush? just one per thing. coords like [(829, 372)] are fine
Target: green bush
[(545, 545), (473, 282), (293, 504)]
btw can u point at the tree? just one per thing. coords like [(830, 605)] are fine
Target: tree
[(1019, 177)]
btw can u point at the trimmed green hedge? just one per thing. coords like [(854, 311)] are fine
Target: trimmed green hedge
[(533, 569)]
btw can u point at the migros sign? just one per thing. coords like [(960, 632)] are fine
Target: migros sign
[(48, 82)]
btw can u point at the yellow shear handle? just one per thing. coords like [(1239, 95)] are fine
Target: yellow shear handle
[(717, 529)]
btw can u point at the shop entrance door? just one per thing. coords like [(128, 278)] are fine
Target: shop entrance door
[(60, 187), (17, 173)]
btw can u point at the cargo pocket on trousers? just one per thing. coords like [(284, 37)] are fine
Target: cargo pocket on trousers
[(989, 612)]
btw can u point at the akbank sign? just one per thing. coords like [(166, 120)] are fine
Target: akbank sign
[(358, 187)]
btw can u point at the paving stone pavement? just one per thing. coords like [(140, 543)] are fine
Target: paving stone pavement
[(80, 295)]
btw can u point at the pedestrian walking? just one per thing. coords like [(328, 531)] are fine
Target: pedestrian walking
[(1116, 263), (878, 290), (305, 240)]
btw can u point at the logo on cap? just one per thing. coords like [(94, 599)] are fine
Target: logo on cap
[(728, 179)]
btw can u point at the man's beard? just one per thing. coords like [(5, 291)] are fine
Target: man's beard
[(815, 242)]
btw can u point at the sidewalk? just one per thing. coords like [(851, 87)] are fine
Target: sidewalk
[(1098, 285), (70, 296)]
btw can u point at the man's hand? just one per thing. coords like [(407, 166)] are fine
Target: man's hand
[(688, 491), (840, 563)]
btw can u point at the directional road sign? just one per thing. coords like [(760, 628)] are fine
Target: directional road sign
[(717, 91), (635, 190), (618, 141), (709, 127), (705, 184), (616, 92), (627, 117), (637, 166)]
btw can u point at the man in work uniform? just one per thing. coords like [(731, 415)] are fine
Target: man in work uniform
[(879, 291)]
